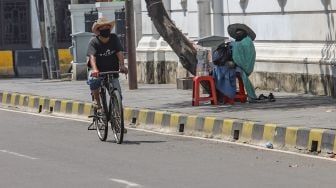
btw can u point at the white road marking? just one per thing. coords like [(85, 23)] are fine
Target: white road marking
[(127, 183), (18, 154), (185, 136)]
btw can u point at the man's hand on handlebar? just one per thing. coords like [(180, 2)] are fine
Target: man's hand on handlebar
[(95, 73), (123, 69)]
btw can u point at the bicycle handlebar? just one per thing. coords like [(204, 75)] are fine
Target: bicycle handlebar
[(108, 72), (101, 74)]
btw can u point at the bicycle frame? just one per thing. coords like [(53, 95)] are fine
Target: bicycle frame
[(114, 117), (106, 81)]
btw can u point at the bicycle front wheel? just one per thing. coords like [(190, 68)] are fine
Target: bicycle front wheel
[(102, 121), (117, 116)]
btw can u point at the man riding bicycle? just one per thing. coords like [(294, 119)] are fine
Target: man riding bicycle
[(105, 54)]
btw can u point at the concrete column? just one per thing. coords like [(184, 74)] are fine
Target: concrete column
[(150, 36), (35, 28), (77, 16), (162, 44), (167, 5), (138, 21), (218, 19), (204, 18), (107, 9)]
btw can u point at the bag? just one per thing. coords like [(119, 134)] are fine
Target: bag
[(222, 54)]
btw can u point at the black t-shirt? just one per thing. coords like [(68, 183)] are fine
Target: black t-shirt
[(105, 53)]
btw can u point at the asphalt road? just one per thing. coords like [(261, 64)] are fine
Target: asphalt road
[(51, 152)]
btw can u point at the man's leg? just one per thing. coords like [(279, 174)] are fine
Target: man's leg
[(116, 85), (96, 97), (94, 87)]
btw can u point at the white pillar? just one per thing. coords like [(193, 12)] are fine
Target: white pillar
[(35, 28), (167, 5), (150, 36), (218, 18), (162, 44), (137, 21), (204, 18), (77, 16), (107, 9)]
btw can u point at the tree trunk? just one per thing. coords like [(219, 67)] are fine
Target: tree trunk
[(183, 48)]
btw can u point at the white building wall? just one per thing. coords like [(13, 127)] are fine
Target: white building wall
[(293, 36)]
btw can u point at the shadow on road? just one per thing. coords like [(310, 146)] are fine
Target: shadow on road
[(133, 142)]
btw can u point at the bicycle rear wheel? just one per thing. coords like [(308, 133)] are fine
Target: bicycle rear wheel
[(117, 116), (102, 121)]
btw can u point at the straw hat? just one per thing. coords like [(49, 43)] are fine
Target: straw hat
[(101, 22), (237, 26)]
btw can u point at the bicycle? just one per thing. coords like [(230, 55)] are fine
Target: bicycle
[(112, 113)]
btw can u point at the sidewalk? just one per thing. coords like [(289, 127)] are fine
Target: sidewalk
[(300, 110), (295, 119)]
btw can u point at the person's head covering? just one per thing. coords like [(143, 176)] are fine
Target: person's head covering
[(102, 21), (235, 31)]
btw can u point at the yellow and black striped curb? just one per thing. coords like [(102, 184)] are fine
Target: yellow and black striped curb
[(320, 140), (46, 104)]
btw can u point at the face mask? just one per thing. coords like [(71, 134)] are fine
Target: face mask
[(105, 33)]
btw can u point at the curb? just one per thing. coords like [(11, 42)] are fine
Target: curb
[(306, 139), (46, 104)]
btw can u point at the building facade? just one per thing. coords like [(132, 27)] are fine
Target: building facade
[(20, 35), (295, 43)]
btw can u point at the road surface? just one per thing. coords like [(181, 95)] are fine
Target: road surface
[(42, 151)]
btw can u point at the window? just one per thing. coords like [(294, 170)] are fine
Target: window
[(15, 24)]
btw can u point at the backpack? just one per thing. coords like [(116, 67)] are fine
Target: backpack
[(222, 54)]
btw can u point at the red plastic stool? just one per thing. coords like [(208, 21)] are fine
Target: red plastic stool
[(240, 95), (196, 90)]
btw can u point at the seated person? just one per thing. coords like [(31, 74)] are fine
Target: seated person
[(230, 59), (243, 54)]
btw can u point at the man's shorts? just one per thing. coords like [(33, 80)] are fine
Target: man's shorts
[(95, 82)]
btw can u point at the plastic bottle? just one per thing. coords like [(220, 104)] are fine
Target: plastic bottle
[(199, 68), (202, 67), (205, 69)]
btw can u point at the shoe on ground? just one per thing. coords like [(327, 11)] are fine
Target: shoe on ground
[(271, 97), (262, 97)]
